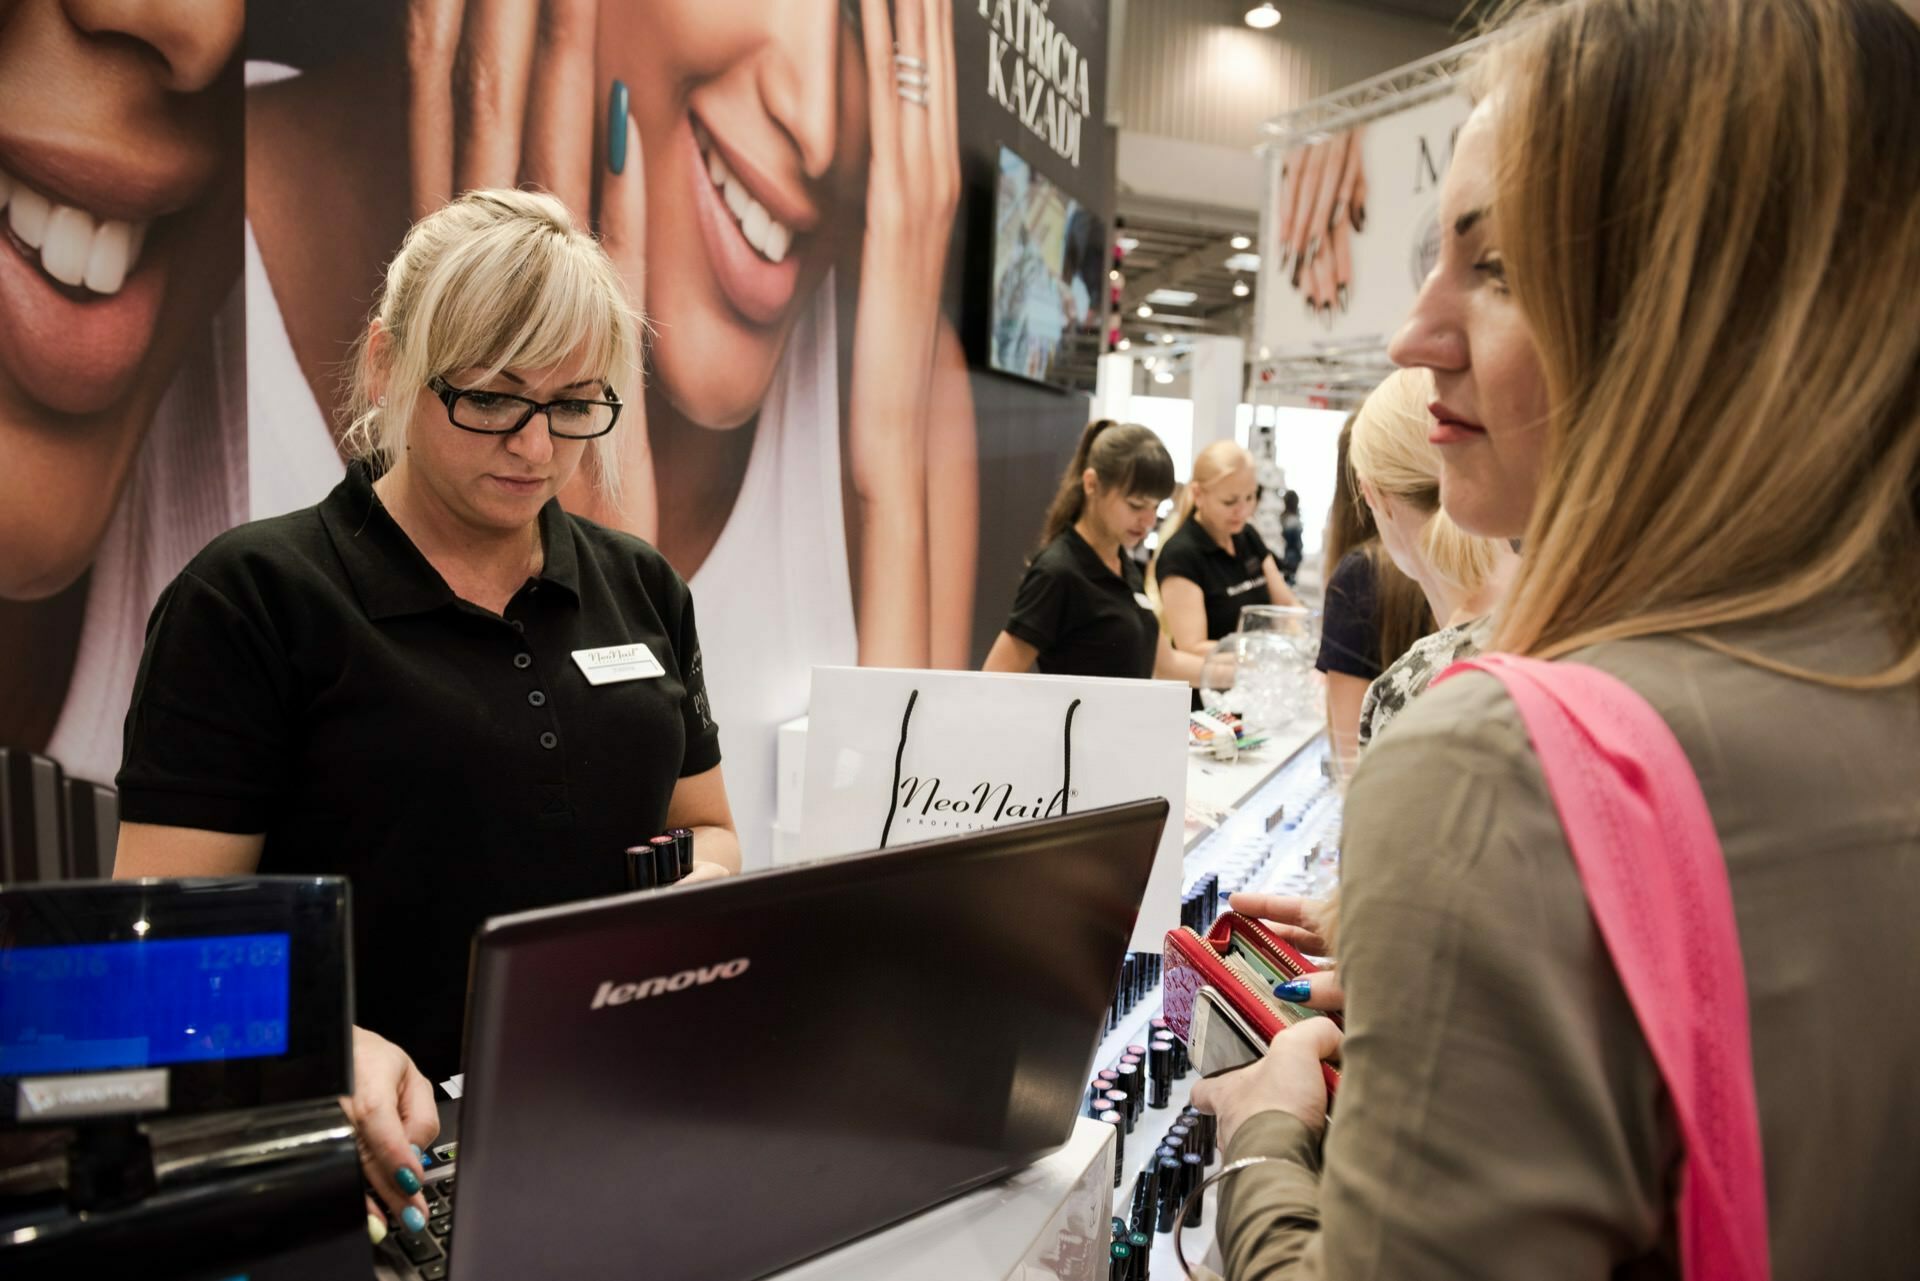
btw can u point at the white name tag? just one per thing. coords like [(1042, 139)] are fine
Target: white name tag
[(613, 663), (1140, 599)]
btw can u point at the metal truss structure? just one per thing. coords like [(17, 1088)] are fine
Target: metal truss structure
[(1384, 94)]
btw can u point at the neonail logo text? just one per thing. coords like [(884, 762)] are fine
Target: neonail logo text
[(925, 797)]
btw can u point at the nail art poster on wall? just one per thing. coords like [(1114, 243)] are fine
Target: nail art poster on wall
[(1351, 227)]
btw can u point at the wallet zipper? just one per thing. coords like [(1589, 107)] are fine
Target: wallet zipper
[(1234, 974), (1275, 955)]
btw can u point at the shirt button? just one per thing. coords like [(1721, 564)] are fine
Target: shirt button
[(548, 741), (537, 698), (523, 661), (518, 626)]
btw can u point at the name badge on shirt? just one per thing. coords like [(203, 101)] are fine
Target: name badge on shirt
[(613, 663), (1140, 599)]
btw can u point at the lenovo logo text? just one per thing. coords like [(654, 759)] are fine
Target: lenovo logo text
[(610, 993)]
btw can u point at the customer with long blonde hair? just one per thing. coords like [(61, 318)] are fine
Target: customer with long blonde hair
[(1372, 612), (1676, 348), (1397, 471)]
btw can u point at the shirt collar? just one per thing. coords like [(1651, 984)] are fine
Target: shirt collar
[(388, 572), (1097, 569), (1195, 533)]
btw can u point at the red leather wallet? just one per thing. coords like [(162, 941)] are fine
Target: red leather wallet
[(1194, 961)]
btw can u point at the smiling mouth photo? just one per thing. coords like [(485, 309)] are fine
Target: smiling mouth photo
[(80, 292), (753, 253), (74, 248)]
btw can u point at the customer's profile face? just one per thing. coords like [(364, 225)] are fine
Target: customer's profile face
[(1489, 416), (752, 122), (119, 141)]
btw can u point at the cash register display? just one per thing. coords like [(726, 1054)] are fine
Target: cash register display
[(97, 1007)]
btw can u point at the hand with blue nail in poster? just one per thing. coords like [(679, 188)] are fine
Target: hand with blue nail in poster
[(742, 136), (501, 95)]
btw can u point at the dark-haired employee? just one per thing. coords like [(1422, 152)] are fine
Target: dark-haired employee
[(1082, 608), (1212, 562), (437, 682)]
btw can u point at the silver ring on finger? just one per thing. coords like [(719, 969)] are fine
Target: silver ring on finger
[(915, 96), (909, 62), (912, 79)]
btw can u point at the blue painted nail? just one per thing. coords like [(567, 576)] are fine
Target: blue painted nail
[(409, 1181), (617, 128), (1293, 990), (415, 1221), (416, 1150)]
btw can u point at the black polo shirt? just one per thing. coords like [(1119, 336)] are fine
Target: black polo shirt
[(1228, 581), (314, 678), (1085, 619)]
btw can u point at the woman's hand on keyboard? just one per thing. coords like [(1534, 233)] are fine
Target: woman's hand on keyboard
[(394, 1116)]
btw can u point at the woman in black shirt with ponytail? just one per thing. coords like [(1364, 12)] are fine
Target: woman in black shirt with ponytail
[(1082, 608)]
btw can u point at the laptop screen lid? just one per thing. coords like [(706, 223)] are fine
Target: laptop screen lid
[(723, 1080)]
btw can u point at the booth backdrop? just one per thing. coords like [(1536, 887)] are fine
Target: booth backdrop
[(275, 181)]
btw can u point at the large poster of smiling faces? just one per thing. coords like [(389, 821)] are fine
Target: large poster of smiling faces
[(784, 188), (790, 191), (121, 377)]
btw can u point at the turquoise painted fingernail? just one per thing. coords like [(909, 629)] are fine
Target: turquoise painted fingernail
[(409, 1181), (617, 128), (1293, 990), (414, 1220)]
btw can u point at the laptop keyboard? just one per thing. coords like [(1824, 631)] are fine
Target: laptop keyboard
[(426, 1253)]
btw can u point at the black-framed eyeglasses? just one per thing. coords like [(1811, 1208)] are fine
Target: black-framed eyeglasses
[(499, 413)]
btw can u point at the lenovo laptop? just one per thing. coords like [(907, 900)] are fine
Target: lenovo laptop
[(723, 1080)]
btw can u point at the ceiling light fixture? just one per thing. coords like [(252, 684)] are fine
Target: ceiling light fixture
[(1114, 276), (1144, 311), (1241, 242), (1262, 16), (1123, 344), (1240, 289), (1173, 297), (1164, 376)]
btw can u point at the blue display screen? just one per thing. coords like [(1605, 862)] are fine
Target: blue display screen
[(119, 1005)]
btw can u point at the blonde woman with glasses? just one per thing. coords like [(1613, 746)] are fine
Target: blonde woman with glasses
[(1675, 341), (437, 682)]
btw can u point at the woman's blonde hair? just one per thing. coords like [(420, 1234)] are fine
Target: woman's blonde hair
[(495, 279), (1401, 614), (1389, 453), (1221, 459), (1709, 212)]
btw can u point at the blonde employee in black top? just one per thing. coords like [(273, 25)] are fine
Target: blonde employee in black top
[(438, 682), (1082, 608), (1212, 563)]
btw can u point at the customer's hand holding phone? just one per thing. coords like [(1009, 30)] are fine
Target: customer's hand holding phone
[(1287, 1079)]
